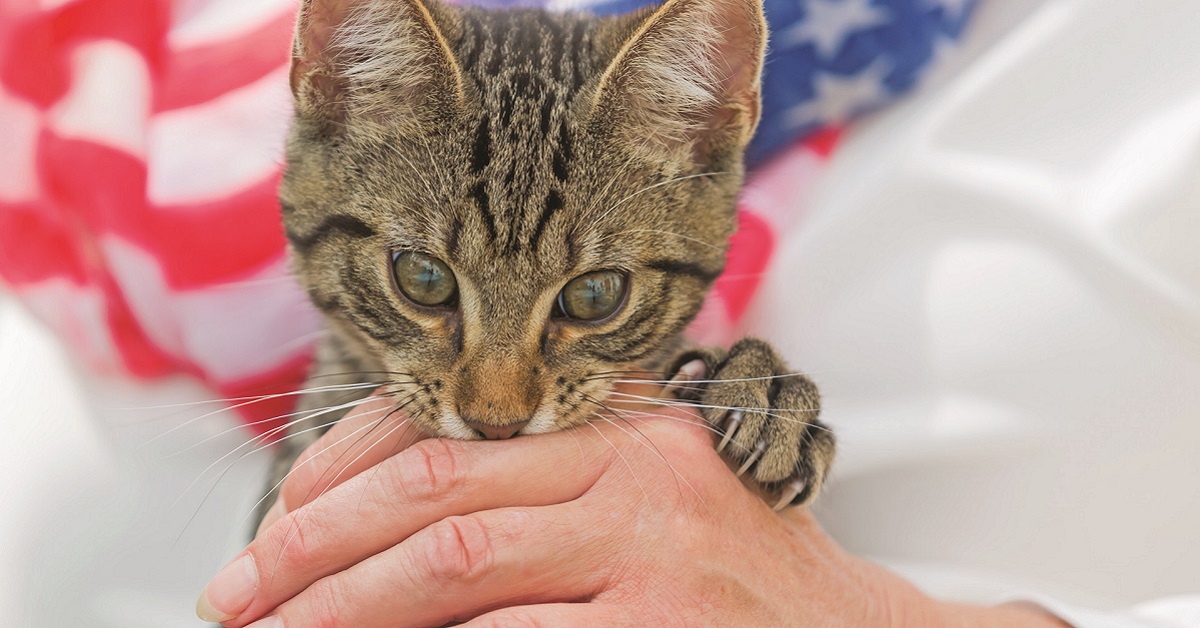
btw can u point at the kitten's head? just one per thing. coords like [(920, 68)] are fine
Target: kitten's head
[(507, 209)]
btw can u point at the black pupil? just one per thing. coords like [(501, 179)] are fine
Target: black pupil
[(598, 291), (428, 274)]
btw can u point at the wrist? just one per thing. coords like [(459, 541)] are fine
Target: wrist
[(898, 602), (902, 605), (882, 598), (922, 610), (1010, 614)]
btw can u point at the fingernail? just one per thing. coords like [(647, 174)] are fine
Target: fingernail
[(267, 622), (230, 592)]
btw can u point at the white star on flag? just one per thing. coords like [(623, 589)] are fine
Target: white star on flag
[(838, 97), (827, 24)]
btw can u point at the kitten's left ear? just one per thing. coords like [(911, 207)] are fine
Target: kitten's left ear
[(369, 58), (688, 79)]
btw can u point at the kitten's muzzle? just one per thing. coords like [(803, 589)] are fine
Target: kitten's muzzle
[(496, 432)]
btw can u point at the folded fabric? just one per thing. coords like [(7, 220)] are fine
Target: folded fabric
[(138, 216)]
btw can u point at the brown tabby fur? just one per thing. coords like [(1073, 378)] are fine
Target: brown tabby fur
[(524, 149)]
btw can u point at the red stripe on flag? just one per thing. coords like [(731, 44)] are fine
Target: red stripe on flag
[(35, 63), (196, 245), (196, 75), (219, 241), (139, 354), (823, 141), (750, 250), (37, 242)]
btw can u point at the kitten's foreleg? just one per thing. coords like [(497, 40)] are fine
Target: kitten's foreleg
[(766, 415)]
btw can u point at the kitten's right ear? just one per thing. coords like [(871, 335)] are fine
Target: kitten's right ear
[(686, 83), (365, 60)]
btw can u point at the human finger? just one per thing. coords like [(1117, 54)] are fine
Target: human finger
[(381, 507), (367, 435), (372, 433), (462, 566)]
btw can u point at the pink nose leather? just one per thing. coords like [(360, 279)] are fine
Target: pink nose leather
[(497, 432)]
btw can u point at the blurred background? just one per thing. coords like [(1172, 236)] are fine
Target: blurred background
[(994, 279)]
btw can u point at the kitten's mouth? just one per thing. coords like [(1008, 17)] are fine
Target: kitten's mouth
[(496, 432), (454, 425)]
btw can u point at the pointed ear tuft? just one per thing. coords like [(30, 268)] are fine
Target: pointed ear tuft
[(366, 60), (686, 83)]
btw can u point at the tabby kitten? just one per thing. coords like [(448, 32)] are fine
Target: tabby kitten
[(497, 211)]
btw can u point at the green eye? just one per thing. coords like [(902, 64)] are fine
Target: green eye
[(592, 296), (423, 279)]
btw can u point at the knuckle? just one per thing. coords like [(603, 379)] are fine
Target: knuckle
[(326, 604), (294, 544), (686, 432), (695, 433), (459, 551), (433, 470), (672, 421)]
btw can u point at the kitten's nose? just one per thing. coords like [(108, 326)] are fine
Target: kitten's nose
[(496, 432)]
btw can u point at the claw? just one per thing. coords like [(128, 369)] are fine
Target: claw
[(758, 449), (793, 490), (688, 372), (731, 425)]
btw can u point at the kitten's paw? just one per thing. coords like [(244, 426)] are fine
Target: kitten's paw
[(765, 414)]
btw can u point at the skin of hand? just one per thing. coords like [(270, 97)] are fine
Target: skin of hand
[(634, 521)]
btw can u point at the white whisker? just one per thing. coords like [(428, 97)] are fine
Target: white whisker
[(249, 283), (654, 186), (303, 339), (186, 404), (310, 413), (433, 196), (621, 455), (670, 233), (710, 381), (649, 444), (275, 487), (266, 436), (304, 516), (679, 403), (406, 423), (258, 399), (220, 477)]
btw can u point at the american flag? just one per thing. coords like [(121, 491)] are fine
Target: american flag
[(141, 153), (827, 60)]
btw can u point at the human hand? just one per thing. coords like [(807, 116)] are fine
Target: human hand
[(623, 523)]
